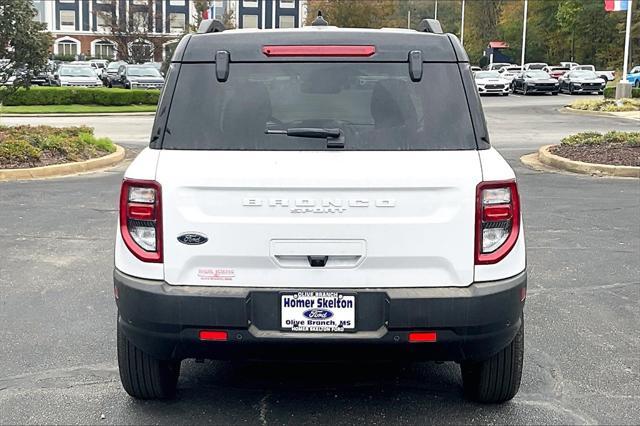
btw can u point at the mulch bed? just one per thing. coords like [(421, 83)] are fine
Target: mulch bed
[(612, 154), (48, 158)]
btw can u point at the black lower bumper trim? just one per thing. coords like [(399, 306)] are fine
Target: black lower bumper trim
[(473, 322)]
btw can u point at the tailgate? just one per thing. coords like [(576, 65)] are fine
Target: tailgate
[(319, 219)]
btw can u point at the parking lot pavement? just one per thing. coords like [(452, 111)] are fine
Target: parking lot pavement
[(582, 363)]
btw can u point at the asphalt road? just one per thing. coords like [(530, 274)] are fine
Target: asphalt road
[(582, 363)]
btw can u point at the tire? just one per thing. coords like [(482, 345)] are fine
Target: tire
[(497, 379), (525, 90), (637, 83), (555, 93), (570, 89), (143, 376)]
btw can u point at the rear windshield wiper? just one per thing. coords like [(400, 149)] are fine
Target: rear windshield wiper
[(334, 137)]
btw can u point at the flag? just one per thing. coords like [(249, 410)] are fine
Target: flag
[(616, 5)]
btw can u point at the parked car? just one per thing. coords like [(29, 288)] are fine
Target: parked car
[(510, 72), (490, 82), (475, 68), (535, 66), (497, 65), (138, 77), (100, 63), (76, 75), (605, 75), (111, 72), (535, 81), (555, 72), (569, 65), (93, 65), (633, 76), (283, 209), (580, 81)]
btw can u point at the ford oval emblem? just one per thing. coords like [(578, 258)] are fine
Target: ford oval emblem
[(192, 238), (318, 313)]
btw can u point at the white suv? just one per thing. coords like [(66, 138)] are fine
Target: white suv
[(320, 193)]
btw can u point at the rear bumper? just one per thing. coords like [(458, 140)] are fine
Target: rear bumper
[(474, 322)]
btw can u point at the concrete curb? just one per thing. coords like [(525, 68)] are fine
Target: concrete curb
[(552, 160), (630, 115), (95, 114), (58, 170)]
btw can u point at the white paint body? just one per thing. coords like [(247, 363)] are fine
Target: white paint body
[(384, 219)]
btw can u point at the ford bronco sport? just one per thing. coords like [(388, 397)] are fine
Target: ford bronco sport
[(320, 192)]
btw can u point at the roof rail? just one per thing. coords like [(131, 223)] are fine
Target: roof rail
[(430, 26), (210, 26)]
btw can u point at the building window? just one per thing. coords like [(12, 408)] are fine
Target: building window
[(140, 21), (287, 21), (177, 22), (250, 21), (67, 48), (288, 4), (104, 50), (141, 50), (104, 19), (68, 18), (39, 6), (250, 3)]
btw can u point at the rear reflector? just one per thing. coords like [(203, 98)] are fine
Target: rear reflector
[(361, 51), (141, 211), (213, 335), (423, 336)]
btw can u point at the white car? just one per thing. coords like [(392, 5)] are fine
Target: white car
[(491, 82), (285, 210), (510, 72), (535, 66), (497, 65), (76, 75)]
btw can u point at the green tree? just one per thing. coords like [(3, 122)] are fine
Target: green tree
[(24, 44), (356, 13)]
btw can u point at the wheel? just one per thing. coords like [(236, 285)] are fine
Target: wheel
[(571, 89), (637, 83), (505, 94), (496, 379), (525, 89), (143, 376), (555, 93)]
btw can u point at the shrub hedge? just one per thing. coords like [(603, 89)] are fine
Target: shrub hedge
[(81, 96), (607, 105), (28, 146), (610, 92), (595, 138)]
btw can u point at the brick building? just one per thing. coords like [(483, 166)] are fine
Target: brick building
[(79, 26)]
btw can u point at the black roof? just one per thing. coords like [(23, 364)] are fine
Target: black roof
[(392, 45)]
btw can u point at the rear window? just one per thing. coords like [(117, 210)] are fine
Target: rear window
[(375, 106)]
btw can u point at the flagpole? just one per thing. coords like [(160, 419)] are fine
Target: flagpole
[(435, 12), (462, 25), (627, 37), (524, 35)]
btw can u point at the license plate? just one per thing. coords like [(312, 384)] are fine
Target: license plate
[(318, 311)]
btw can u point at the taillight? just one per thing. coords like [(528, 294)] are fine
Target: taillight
[(497, 220), (141, 218)]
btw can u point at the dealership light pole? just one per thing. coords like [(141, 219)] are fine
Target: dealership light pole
[(524, 35), (623, 88), (462, 25), (435, 11)]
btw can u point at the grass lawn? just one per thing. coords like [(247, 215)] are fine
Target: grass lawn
[(73, 109)]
